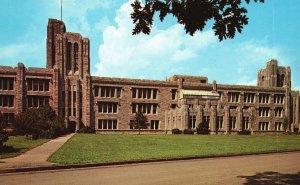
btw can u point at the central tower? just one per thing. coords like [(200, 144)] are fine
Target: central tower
[(69, 55)]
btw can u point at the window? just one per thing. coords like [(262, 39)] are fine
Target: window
[(278, 111), (107, 124), (145, 108), (264, 111), (264, 98), (144, 93), (6, 100), (232, 122), (279, 98), (6, 83), (37, 84), (107, 107), (154, 124), (263, 126), (249, 97), (174, 94), (219, 122), (37, 101), (233, 97), (245, 124), (192, 122), (8, 117), (278, 126), (75, 57), (69, 48), (107, 91), (206, 120)]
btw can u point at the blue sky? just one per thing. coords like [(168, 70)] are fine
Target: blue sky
[(272, 33)]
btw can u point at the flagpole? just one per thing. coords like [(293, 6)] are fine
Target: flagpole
[(61, 10)]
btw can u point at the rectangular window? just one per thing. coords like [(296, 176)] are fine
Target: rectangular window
[(35, 85), (107, 91), (133, 92), (108, 107), (249, 97), (174, 93), (37, 101), (6, 100), (278, 111), (232, 122), (278, 126), (233, 97), (264, 98), (107, 124), (219, 122), (245, 124), (264, 111), (192, 122), (154, 124), (144, 93), (263, 126), (145, 108), (279, 98), (206, 120)]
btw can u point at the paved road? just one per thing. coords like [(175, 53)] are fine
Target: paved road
[(260, 169), (37, 156)]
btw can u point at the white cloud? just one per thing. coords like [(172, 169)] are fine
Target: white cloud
[(152, 56)]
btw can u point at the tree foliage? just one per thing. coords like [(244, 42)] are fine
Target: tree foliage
[(39, 122), (203, 128), (229, 16), (140, 121), (3, 133)]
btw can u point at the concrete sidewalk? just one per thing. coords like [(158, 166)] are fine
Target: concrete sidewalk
[(36, 157)]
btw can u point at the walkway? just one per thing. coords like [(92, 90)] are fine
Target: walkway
[(35, 157)]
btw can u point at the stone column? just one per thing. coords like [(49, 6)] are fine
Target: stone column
[(213, 119)]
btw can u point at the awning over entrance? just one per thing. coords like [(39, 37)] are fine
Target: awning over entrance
[(192, 94)]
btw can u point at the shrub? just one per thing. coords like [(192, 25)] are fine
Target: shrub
[(3, 133), (176, 131), (39, 123), (86, 130), (244, 132), (188, 131), (203, 128)]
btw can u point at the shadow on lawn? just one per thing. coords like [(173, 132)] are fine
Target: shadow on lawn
[(9, 149), (269, 177)]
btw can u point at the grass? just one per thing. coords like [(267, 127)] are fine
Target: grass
[(96, 148), (17, 145)]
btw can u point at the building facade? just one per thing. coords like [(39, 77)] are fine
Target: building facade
[(109, 104)]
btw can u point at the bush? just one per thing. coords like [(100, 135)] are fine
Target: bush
[(39, 123), (176, 131), (188, 131), (244, 132), (203, 128), (86, 130), (3, 133)]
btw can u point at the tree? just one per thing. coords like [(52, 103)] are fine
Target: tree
[(39, 122), (203, 128), (3, 133), (140, 121), (286, 124), (229, 16), (252, 119)]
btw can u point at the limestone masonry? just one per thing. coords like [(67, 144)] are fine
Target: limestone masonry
[(109, 104)]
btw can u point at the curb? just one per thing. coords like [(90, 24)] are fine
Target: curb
[(105, 164)]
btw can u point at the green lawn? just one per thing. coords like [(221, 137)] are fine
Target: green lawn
[(96, 148), (19, 144)]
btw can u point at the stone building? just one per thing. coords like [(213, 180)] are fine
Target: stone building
[(109, 104)]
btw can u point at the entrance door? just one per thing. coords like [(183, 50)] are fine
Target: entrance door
[(72, 126)]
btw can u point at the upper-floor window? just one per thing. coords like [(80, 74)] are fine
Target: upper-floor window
[(233, 97), (278, 98), (264, 111), (107, 91), (6, 83), (249, 97), (174, 94), (278, 111), (75, 57), (264, 98), (69, 56), (144, 93), (146, 108), (34, 84), (6, 100), (107, 107), (37, 101)]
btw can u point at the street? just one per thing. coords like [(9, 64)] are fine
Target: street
[(281, 168)]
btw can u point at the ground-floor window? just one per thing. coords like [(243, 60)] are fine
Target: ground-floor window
[(37, 101), (278, 126), (107, 124), (154, 124), (245, 124), (192, 122), (220, 122), (8, 117), (263, 126), (232, 121)]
